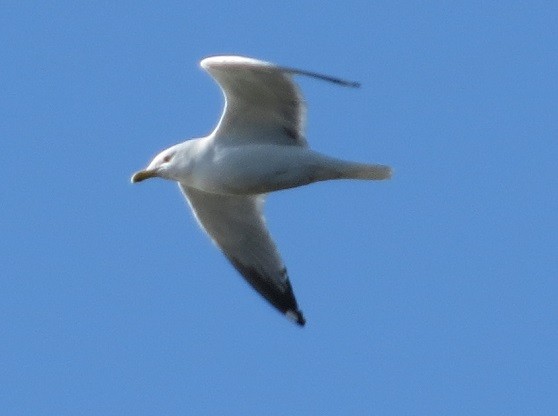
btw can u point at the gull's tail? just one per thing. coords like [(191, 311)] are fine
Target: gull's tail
[(371, 172), (351, 170)]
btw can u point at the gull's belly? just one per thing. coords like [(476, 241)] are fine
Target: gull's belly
[(259, 169)]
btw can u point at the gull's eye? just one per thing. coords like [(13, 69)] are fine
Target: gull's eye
[(167, 158)]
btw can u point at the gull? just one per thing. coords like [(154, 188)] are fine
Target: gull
[(258, 147)]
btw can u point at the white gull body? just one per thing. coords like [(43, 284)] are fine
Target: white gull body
[(258, 147)]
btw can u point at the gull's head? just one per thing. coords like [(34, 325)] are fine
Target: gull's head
[(162, 166)]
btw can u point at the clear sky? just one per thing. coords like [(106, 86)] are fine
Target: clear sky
[(432, 294)]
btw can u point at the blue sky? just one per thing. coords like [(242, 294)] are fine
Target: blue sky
[(433, 293)]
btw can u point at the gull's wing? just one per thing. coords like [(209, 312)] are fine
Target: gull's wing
[(262, 102), (237, 226)]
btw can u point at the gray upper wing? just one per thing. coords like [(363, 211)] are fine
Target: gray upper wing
[(262, 103)]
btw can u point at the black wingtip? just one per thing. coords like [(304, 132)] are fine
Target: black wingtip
[(296, 316), (328, 78)]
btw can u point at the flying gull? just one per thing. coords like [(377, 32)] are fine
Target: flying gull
[(257, 147)]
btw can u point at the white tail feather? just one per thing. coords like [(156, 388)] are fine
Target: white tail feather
[(364, 171)]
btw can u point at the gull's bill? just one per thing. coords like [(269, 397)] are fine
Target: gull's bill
[(143, 175)]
